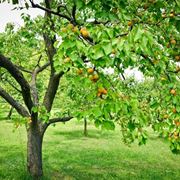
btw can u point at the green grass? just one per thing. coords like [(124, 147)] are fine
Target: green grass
[(68, 155)]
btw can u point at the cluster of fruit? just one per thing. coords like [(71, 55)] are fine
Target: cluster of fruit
[(84, 32), (93, 75), (101, 91)]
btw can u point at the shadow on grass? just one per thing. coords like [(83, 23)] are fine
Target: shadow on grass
[(76, 134)]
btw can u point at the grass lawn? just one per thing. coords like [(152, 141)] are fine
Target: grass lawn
[(68, 155)]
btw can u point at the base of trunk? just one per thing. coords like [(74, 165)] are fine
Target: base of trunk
[(34, 153)]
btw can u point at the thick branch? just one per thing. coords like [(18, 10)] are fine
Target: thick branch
[(20, 109), (74, 13), (18, 76), (54, 120), (33, 81), (51, 90)]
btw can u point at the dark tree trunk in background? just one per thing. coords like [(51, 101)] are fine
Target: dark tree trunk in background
[(85, 127), (10, 113), (34, 151)]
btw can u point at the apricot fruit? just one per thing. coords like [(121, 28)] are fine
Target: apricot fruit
[(173, 91), (84, 32), (90, 70)]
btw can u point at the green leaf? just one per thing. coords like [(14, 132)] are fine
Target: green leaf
[(34, 109), (107, 47), (109, 125)]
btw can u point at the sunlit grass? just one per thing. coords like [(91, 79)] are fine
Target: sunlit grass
[(67, 154)]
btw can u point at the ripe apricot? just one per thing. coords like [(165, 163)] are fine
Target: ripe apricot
[(130, 23), (94, 78), (102, 91), (173, 41), (90, 70), (84, 32), (173, 91)]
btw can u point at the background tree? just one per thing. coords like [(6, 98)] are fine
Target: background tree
[(105, 35)]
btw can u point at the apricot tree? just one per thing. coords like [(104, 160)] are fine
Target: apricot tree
[(105, 37)]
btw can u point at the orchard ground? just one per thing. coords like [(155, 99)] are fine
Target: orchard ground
[(68, 155)]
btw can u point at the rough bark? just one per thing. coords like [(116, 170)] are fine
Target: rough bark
[(34, 151), (51, 90)]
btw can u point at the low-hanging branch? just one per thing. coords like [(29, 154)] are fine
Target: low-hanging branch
[(55, 120), (20, 109)]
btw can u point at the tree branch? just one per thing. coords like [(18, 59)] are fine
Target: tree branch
[(51, 90), (74, 13), (36, 71), (11, 84), (23, 69), (20, 109), (54, 120), (18, 76), (49, 10)]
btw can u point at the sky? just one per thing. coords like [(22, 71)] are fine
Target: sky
[(9, 15), (14, 16)]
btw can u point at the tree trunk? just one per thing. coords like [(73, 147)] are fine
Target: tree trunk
[(85, 127), (10, 113), (34, 151)]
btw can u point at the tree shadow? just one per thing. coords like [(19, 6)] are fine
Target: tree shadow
[(76, 134)]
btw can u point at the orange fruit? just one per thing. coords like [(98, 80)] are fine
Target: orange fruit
[(104, 91), (130, 23), (173, 91), (94, 78), (90, 70), (173, 41), (84, 32)]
